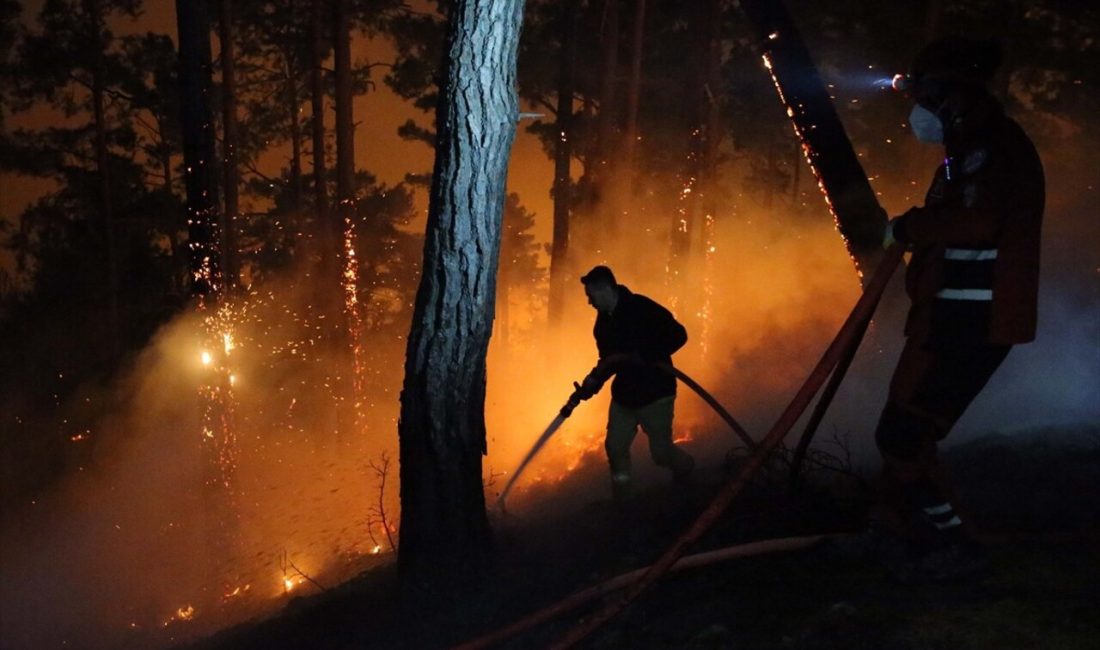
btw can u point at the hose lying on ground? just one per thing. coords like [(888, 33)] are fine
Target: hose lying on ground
[(579, 598)]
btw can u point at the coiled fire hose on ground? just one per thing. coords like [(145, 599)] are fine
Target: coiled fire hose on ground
[(849, 336)]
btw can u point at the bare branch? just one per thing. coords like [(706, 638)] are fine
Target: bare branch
[(378, 511)]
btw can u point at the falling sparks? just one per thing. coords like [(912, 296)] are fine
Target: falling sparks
[(352, 310), (807, 152)]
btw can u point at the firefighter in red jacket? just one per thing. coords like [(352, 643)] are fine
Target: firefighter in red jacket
[(632, 334), (973, 283)]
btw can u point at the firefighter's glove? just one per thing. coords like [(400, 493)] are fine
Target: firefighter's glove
[(591, 384), (573, 402), (895, 231)]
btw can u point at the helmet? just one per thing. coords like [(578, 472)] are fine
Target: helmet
[(946, 65)]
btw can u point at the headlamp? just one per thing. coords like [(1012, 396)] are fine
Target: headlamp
[(902, 83)]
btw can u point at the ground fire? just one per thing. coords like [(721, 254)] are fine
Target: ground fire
[(202, 404)]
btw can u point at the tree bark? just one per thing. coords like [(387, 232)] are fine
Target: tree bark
[(230, 138), (445, 532), (94, 15), (563, 155), (198, 145)]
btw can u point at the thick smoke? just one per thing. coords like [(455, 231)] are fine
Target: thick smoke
[(119, 553)]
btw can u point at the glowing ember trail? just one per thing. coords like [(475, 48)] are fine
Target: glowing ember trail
[(807, 152), (219, 433), (705, 310), (857, 215), (353, 312)]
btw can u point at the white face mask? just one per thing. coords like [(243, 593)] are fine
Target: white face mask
[(926, 126)]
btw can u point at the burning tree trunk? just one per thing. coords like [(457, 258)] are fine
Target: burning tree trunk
[(563, 155), (345, 194), (218, 435), (445, 531), (94, 14), (230, 171), (859, 217), (198, 145)]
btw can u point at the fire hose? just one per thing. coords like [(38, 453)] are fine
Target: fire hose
[(842, 346), (576, 398)]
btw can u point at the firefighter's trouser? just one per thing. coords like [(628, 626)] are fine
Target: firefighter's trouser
[(929, 392), (656, 419)]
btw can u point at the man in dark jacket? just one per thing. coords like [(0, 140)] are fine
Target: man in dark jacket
[(973, 282), (633, 333)]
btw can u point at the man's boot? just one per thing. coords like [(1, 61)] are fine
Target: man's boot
[(622, 487)]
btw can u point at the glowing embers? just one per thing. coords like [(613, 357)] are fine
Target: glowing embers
[(807, 150), (707, 308), (216, 389), (183, 614), (350, 279), (231, 593)]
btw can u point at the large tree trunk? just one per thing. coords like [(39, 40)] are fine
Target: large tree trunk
[(444, 528), (94, 14), (563, 155), (230, 170)]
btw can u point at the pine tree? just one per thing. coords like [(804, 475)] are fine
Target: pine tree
[(444, 529)]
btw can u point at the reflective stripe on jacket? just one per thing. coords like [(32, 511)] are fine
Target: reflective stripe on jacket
[(974, 274)]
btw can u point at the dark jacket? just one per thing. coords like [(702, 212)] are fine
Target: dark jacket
[(639, 325), (974, 274)]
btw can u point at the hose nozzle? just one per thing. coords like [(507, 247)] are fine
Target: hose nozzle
[(573, 401)]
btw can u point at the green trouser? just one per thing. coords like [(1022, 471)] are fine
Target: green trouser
[(656, 419)]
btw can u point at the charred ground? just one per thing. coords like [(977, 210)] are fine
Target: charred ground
[(1033, 492)]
